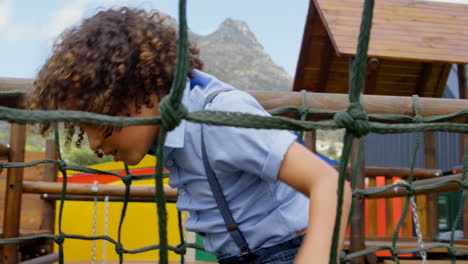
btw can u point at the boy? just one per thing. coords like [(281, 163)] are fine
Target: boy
[(121, 62)]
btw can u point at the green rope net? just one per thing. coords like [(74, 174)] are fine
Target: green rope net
[(355, 120)]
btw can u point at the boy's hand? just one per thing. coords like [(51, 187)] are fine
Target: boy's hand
[(313, 177)]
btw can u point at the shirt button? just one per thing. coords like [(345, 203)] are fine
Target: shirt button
[(170, 163)]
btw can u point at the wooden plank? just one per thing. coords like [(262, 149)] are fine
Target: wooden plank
[(385, 10), (13, 196), (435, 25), (342, 22), (372, 210)]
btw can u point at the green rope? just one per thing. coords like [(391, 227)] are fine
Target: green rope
[(354, 119), (359, 126)]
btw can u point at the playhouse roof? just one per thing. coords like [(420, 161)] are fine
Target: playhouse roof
[(404, 29), (412, 47)]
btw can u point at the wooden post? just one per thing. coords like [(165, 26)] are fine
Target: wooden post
[(463, 90), (310, 139), (12, 213), (357, 218), (50, 175), (430, 161)]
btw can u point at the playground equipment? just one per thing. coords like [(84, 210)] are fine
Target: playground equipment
[(364, 114)]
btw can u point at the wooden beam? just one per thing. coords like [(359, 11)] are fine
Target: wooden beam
[(327, 55), (401, 191), (373, 67), (462, 82), (14, 99), (11, 221), (373, 104), (389, 172), (7, 84), (50, 175), (46, 259), (87, 189), (442, 80), (310, 140), (307, 38), (430, 161), (463, 91), (357, 236), (75, 197), (4, 151), (424, 78)]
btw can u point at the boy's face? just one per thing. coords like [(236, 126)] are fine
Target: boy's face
[(131, 143)]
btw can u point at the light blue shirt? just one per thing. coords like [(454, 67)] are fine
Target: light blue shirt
[(246, 163)]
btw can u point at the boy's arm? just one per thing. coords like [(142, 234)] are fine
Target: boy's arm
[(313, 177)]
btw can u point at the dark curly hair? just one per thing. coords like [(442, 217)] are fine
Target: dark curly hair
[(113, 59)]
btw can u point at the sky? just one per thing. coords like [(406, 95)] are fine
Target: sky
[(28, 27)]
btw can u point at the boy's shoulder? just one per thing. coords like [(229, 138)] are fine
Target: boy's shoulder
[(228, 98)]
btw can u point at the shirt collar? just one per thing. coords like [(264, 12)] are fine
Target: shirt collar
[(175, 137)]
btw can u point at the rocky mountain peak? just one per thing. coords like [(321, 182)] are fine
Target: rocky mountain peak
[(233, 54), (232, 29)]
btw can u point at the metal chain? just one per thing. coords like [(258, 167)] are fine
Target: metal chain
[(94, 189), (106, 218), (414, 209), (417, 225)]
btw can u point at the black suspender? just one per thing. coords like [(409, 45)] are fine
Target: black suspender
[(229, 221)]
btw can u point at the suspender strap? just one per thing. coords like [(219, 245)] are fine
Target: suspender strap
[(229, 221)]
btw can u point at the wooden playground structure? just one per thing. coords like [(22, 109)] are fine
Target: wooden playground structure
[(21, 184), (392, 76)]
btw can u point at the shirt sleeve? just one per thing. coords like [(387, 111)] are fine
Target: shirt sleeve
[(255, 151)]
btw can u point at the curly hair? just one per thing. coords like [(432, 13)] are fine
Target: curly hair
[(113, 59)]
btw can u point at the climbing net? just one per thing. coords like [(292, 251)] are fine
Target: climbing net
[(354, 119)]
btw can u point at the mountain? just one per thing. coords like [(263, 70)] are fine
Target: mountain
[(234, 55)]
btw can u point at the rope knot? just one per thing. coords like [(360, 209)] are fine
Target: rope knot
[(464, 184), (119, 249), (418, 119), (303, 111), (354, 118), (62, 165), (170, 116), (181, 248), (127, 180), (409, 188), (452, 251), (60, 238)]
